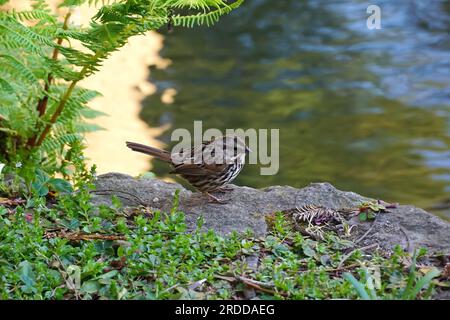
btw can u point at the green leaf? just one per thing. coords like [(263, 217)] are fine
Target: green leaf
[(423, 282), (72, 224), (26, 274), (90, 286), (74, 272), (307, 250), (107, 277), (359, 287), (109, 274), (363, 216), (41, 176), (91, 113), (60, 185), (148, 175), (40, 189)]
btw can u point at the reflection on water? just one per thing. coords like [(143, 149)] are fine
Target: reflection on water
[(367, 110)]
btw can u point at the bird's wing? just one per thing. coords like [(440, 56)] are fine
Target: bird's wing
[(199, 169)]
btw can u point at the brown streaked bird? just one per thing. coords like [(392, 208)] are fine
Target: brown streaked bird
[(208, 167)]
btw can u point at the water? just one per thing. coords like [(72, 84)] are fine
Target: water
[(366, 110)]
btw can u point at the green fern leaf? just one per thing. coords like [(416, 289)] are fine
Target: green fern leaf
[(22, 70)]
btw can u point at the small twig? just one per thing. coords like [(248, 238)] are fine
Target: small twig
[(353, 251), (343, 268), (170, 288), (111, 192), (260, 286), (365, 234), (68, 279), (75, 236), (194, 285), (408, 243), (259, 283), (229, 279)]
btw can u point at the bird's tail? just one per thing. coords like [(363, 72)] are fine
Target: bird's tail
[(158, 153)]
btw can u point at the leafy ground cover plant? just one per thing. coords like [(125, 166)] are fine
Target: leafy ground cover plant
[(73, 250)]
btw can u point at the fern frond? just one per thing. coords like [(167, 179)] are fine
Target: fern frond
[(316, 214), (77, 57), (75, 104), (12, 25), (204, 18), (88, 127), (86, 95), (18, 67), (11, 39), (59, 70), (106, 34), (19, 119), (73, 3), (7, 86), (41, 15), (89, 113), (57, 141), (199, 4), (41, 5)]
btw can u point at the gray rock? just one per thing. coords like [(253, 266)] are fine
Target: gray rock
[(406, 225)]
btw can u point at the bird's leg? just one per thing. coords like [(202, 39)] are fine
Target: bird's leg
[(225, 189), (214, 199)]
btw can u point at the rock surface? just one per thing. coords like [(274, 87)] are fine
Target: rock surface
[(406, 225)]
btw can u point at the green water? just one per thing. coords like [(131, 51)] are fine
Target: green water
[(366, 110)]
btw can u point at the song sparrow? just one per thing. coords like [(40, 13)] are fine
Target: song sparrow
[(208, 167)]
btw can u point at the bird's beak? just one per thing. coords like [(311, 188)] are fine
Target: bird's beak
[(247, 150)]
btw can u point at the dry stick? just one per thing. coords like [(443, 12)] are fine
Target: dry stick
[(74, 236), (259, 285), (111, 192), (42, 104), (408, 243), (342, 268), (170, 288), (365, 234), (68, 278), (353, 251)]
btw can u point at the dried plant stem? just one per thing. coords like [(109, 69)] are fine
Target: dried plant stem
[(77, 236), (365, 234), (260, 286), (348, 255), (67, 278)]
